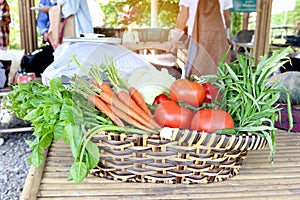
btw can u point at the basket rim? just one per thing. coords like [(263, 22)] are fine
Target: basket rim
[(186, 137)]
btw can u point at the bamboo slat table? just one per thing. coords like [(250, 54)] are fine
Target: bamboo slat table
[(257, 179)]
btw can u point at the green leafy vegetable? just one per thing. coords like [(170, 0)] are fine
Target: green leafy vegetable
[(248, 95), (54, 114), (57, 112), (78, 170)]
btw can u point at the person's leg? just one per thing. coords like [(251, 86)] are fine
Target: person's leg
[(2, 75), (6, 65)]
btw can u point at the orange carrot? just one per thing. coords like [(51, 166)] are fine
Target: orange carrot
[(130, 120), (113, 100), (106, 97), (138, 98), (126, 99), (103, 86), (105, 109)]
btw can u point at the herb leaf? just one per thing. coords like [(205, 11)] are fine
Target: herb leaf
[(78, 171)]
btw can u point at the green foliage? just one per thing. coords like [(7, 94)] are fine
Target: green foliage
[(168, 10), (138, 13), (276, 20), (15, 40), (236, 20), (55, 112), (141, 13), (292, 16)]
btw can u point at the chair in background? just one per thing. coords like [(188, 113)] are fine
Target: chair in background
[(294, 40), (241, 38), (150, 46)]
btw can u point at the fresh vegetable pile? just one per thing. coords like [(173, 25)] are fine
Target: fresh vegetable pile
[(179, 107), (238, 100)]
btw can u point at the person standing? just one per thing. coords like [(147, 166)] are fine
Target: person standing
[(188, 10), (4, 41), (42, 20), (4, 24), (82, 17), (186, 15), (209, 42), (207, 22), (69, 18)]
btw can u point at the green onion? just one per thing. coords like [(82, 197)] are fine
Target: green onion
[(249, 96)]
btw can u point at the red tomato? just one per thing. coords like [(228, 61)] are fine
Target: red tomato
[(209, 120), (211, 93), (160, 98), (170, 114), (187, 91)]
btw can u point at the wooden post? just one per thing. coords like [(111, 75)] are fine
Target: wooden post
[(245, 21), (262, 30), (154, 4), (27, 26), (22, 25)]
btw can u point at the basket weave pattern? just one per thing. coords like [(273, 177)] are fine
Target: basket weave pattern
[(190, 157)]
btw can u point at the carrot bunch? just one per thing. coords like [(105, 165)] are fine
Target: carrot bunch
[(123, 105)]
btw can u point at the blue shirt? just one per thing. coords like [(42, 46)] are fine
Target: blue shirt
[(80, 10), (42, 20)]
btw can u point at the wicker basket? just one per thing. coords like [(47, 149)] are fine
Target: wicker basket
[(190, 157)]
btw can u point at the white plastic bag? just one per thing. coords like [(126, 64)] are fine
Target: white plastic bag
[(89, 53), (11, 55), (15, 57)]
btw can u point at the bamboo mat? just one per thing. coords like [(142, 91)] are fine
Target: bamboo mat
[(257, 179)]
